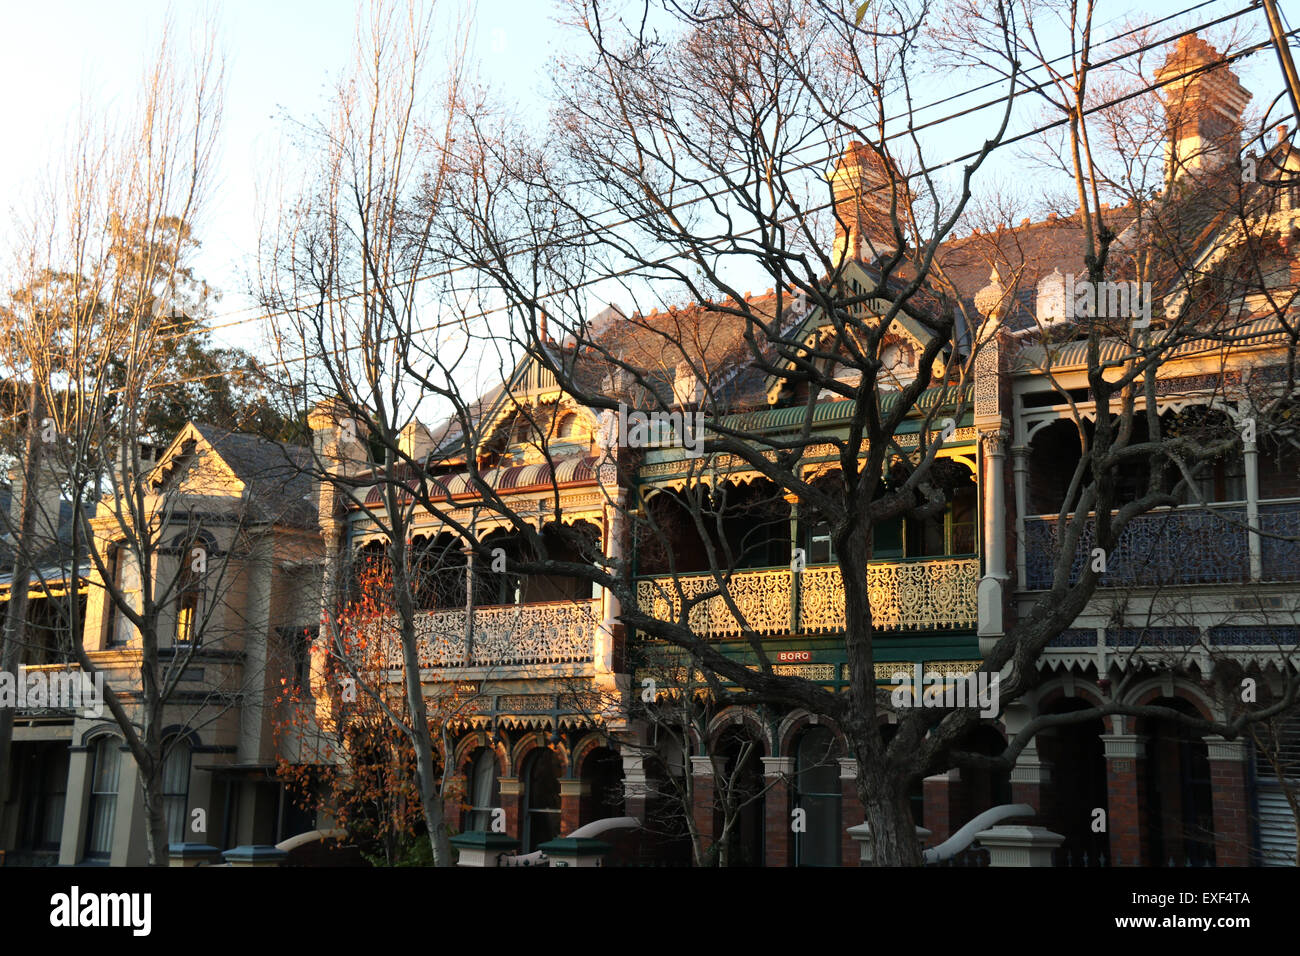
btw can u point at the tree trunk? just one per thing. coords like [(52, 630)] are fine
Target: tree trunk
[(889, 815), (14, 634)]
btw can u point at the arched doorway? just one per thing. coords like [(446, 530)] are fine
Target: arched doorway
[(738, 790), (1078, 785), (541, 798), (1176, 790), (602, 793), (817, 793)]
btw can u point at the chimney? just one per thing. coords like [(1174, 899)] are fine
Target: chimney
[(48, 496), (1203, 109), (864, 184), (416, 441), (688, 391)]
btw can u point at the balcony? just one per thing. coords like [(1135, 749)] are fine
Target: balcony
[(927, 594), (1177, 547), (560, 632)]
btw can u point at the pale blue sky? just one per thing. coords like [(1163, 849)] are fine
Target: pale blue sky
[(282, 57)]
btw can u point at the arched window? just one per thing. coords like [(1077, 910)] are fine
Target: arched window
[(817, 793), (568, 427), (541, 799), (176, 789), (104, 772), (193, 555), (484, 791)]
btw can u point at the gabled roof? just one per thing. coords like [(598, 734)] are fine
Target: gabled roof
[(275, 477)]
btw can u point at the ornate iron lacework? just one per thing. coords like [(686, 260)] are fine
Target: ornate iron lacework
[(763, 597), (1158, 549), (1281, 559), (905, 596), (929, 595), (1197, 383), (557, 633), (1254, 636), (1075, 637), (1152, 637)]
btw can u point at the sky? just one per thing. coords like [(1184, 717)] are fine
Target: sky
[(282, 57)]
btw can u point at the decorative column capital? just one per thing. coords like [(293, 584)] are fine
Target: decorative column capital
[(1124, 746), (776, 767), (1220, 748), (701, 765)]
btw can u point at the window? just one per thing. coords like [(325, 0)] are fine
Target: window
[(176, 789), (484, 791), (296, 644), (106, 765), (817, 792), (541, 800), (125, 571), (189, 593)]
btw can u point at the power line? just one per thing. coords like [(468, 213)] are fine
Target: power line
[(588, 232), (304, 359)]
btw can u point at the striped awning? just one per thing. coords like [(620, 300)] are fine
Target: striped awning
[(513, 479)]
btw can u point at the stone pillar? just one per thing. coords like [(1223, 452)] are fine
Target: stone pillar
[(634, 781), (1125, 766), (1030, 779), (702, 805), (851, 812), (571, 794), (512, 801), (796, 567), (993, 507), (1020, 469), (603, 651), (75, 806), (1253, 540), (778, 835), (1229, 787), (1020, 845), (945, 801)]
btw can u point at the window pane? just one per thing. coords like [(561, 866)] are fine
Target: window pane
[(103, 797)]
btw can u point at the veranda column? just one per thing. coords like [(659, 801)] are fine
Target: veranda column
[(702, 804), (1253, 540), (1229, 791), (851, 812), (1020, 469), (778, 835), (1125, 767)]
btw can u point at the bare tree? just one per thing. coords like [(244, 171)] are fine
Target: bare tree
[(663, 171), (343, 278)]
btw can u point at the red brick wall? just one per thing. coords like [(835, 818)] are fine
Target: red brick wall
[(1126, 817), (703, 809), (1231, 813), (851, 814), (779, 850)]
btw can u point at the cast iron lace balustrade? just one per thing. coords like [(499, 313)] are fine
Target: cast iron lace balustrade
[(1183, 546), (909, 595), (561, 632)]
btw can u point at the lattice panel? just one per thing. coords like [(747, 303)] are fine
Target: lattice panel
[(555, 633), (1160, 549), (763, 597), (913, 595)]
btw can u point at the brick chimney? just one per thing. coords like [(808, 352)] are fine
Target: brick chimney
[(1203, 109)]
